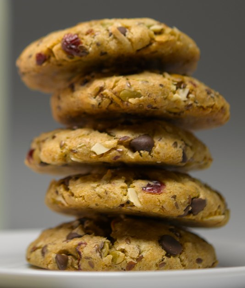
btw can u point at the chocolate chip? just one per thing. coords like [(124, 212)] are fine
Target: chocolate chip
[(170, 245), (197, 205), (142, 143), (44, 250), (41, 58), (73, 235), (122, 29), (184, 157), (130, 265), (199, 260), (61, 261)]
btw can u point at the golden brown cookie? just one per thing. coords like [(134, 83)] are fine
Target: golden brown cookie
[(184, 100), (124, 142), (143, 192), (52, 61), (120, 244)]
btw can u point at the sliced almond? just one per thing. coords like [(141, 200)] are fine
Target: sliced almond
[(133, 197), (99, 149)]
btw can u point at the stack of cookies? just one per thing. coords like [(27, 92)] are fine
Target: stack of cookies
[(126, 147)]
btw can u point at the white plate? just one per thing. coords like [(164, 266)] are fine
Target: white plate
[(15, 272)]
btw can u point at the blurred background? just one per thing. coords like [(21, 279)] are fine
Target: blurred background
[(216, 26)]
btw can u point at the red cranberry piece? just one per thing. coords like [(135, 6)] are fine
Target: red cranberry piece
[(72, 45), (41, 58), (154, 187), (29, 155)]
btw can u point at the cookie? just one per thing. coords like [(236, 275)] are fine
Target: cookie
[(143, 192), (114, 143), (51, 62), (181, 99), (120, 244)]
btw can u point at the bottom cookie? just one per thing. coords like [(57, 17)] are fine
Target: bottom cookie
[(119, 244)]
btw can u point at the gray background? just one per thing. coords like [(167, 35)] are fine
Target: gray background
[(217, 27)]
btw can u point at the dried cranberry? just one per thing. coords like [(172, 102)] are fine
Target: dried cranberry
[(72, 45), (29, 155), (41, 58), (154, 187)]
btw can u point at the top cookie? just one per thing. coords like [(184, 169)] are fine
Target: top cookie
[(50, 62)]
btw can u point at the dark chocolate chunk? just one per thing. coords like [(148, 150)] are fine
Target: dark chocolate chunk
[(170, 245), (61, 261), (154, 187), (199, 260), (41, 58), (73, 235), (122, 29), (44, 250), (142, 143), (197, 205)]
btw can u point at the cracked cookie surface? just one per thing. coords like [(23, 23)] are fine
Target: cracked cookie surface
[(49, 63), (124, 142), (184, 100), (119, 244), (143, 192)]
